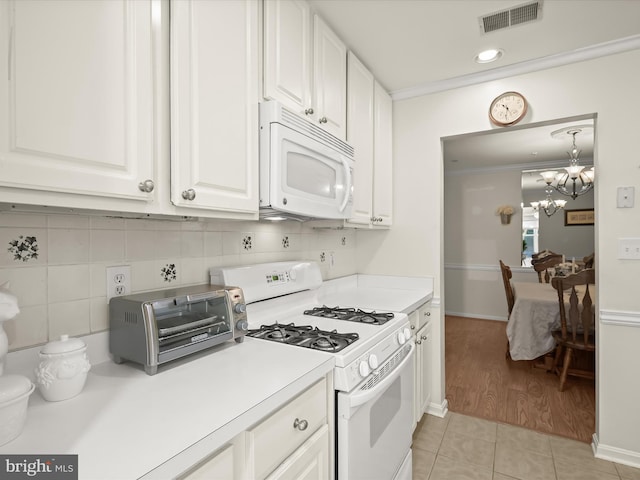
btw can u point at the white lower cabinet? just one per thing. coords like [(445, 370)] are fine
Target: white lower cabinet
[(222, 465), (293, 442), (421, 328)]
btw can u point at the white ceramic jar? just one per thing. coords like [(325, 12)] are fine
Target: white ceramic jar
[(63, 369), (14, 398)]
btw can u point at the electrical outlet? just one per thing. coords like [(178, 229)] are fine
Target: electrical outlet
[(118, 281)]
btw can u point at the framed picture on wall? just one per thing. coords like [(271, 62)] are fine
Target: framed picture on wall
[(578, 217)]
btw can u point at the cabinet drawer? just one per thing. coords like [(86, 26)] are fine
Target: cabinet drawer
[(424, 313), (283, 432)]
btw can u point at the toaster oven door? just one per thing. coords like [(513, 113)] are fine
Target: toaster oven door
[(188, 326)]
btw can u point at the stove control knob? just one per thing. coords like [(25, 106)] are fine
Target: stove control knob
[(364, 369), (407, 334), (373, 361), (240, 308), (242, 325), (293, 274), (401, 338)]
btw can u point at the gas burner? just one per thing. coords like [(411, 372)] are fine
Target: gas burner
[(305, 336), (351, 315)]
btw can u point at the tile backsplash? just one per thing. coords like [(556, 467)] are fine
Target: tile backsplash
[(56, 264)]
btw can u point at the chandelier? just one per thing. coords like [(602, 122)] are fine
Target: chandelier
[(549, 206), (575, 181)]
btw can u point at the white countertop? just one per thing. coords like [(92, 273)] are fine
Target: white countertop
[(126, 423)]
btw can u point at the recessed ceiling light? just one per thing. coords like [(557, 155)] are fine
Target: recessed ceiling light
[(488, 56)]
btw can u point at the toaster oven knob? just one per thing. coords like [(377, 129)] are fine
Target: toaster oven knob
[(242, 325), (373, 361), (364, 369), (401, 338), (240, 308)]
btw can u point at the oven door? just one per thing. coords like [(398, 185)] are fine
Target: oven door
[(375, 424), (307, 177)]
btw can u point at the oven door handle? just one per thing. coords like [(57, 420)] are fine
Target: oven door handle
[(354, 401)]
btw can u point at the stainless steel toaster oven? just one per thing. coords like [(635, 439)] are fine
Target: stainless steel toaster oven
[(153, 328)]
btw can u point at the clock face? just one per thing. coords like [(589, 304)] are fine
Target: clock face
[(508, 109)]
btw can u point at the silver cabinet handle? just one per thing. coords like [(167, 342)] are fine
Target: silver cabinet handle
[(189, 194), (418, 342), (413, 327), (428, 314), (424, 337), (308, 111), (300, 424), (323, 120), (146, 186)]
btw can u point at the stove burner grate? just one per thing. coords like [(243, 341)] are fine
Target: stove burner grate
[(351, 314), (305, 336)]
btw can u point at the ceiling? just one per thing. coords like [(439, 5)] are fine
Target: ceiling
[(412, 43), (422, 46)]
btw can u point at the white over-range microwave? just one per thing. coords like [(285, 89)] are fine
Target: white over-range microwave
[(305, 172)]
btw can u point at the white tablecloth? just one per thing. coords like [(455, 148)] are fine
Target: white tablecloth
[(534, 316)]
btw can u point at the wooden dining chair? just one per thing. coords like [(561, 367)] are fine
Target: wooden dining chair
[(540, 255), (543, 265), (508, 290), (577, 323), (589, 260)]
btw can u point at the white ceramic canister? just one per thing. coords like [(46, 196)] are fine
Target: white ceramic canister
[(14, 398), (63, 369)]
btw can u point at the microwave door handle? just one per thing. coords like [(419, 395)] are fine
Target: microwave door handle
[(347, 172)]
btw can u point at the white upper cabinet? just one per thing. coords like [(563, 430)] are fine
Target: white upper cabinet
[(369, 130), (287, 54), (214, 104), (360, 136), (305, 64), (383, 158), (76, 98), (330, 79)]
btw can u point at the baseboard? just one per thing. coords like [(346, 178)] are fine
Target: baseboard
[(438, 410), (478, 316), (614, 454)]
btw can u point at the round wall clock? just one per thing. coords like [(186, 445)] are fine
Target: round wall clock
[(507, 109)]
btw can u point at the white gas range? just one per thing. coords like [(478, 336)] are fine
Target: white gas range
[(373, 355)]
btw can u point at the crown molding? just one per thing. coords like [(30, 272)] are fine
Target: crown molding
[(551, 61)]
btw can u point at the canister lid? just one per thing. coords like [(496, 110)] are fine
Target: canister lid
[(13, 386), (66, 344)]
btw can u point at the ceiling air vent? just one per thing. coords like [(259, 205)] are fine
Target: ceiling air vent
[(511, 16)]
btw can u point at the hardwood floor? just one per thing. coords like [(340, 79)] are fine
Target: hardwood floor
[(481, 382)]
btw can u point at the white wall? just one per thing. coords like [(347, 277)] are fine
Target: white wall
[(60, 281), (606, 87)]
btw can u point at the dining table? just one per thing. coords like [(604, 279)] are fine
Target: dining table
[(535, 315)]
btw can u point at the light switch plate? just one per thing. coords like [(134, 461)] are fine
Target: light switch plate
[(629, 248), (625, 197)]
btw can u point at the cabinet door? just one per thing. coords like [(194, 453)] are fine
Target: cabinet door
[(383, 158), (220, 466), (330, 79), (360, 136), (76, 97), (214, 104), (309, 462), (287, 54), (424, 366)]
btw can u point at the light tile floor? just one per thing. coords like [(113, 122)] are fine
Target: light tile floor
[(459, 447)]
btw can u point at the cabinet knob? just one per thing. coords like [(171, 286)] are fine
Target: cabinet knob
[(300, 424), (418, 342), (413, 327), (189, 194), (428, 314), (308, 111), (146, 186), (323, 120), (424, 337)]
